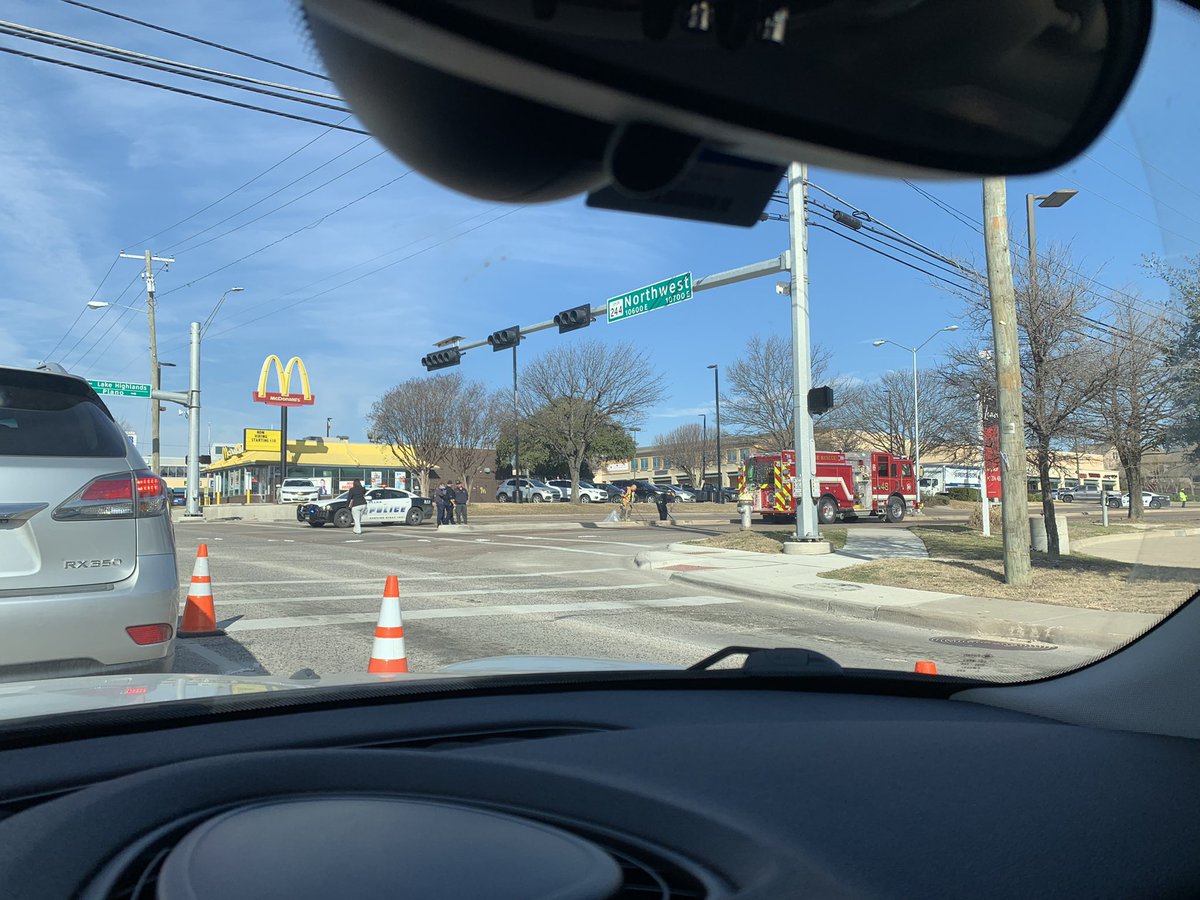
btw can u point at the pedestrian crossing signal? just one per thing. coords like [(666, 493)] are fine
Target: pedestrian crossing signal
[(442, 359), (820, 400), (570, 319), (505, 338)]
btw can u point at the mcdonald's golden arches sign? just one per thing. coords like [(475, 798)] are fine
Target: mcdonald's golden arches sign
[(284, 396)]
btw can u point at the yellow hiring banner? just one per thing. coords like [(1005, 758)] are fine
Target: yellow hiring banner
[(262, 439)]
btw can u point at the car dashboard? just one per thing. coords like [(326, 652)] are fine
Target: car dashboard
[(650, 785)]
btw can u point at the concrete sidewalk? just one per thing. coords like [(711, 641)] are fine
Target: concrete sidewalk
[(795, 579)]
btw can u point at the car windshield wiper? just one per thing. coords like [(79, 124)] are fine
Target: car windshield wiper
[(775, 661)]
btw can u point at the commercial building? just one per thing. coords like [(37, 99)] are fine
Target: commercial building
[(333, 463)]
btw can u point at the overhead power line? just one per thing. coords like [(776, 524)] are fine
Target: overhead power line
[(178, 248), (241, 187), (96, 321), (83, 308), (290, 234), (840, 232), (198, 40), (178, 90), (397, 262), (171, 67), (1130, 300)]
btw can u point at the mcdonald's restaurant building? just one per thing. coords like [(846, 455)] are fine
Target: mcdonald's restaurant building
[(332, 463)]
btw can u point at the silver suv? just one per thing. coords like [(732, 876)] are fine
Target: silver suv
[(88, 581), (532, 490)]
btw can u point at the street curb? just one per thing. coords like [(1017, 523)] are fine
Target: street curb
[(1113, 538), (982, 626), (958, 623)]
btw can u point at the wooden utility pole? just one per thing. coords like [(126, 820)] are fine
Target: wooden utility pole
[(155, 370), (1006, 349)]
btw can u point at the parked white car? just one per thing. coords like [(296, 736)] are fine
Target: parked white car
[(588, 493), (298, 490)]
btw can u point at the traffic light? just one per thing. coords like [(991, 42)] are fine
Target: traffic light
[(570, 319), (505, 338), (442, 359), (820, 400)]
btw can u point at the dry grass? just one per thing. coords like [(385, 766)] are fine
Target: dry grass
[(967, 563), (766, 541)]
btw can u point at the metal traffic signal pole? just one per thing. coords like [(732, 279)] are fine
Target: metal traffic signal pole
[(802, 426), (516, 431), (190, 400)]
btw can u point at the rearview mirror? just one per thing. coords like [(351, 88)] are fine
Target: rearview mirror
[(692, 107)]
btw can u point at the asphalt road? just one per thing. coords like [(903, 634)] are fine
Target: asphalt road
[(293, 597)]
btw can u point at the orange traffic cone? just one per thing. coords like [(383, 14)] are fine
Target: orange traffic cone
[(925, 667), (387, 653), (199, 617)]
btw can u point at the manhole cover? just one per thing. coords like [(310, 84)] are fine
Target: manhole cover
[(985, 644)]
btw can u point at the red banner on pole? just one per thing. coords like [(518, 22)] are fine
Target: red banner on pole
[(991, 461)]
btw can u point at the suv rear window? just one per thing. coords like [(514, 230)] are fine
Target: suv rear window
[(49, 415)]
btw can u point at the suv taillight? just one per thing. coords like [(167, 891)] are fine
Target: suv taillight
[(118, 496)]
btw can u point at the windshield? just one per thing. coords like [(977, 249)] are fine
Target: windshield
[(243, 220)]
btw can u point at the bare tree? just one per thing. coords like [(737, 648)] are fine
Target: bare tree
[(759, 389), (1062, 368), (474, 416), (1135, 408), (881, 414), (423, 419), (1184, 281), (578, 391), (684, 448)]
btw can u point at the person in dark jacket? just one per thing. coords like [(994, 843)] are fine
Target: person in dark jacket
[(358, 504), (660, 500), (442, 502), (461, 499)]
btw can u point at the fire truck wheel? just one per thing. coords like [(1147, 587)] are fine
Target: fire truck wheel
[(895, 509), (827, 510)]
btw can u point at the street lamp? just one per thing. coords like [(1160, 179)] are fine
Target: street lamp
[(212, 315), (1052, 200), (703, 451), (916, 402), (103, 304), (717, 396)]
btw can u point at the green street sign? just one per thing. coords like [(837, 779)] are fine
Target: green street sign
[(121, 388), (653, 296)]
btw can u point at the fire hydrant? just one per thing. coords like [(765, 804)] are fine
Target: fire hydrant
[(744, 511)]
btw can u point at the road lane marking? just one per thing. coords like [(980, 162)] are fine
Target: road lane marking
[(486, 611), (435, 576), (575, 540), (544, 547), (637, 586)]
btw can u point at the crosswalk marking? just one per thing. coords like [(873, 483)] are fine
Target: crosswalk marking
[(411, 615), (439, 576), (408, 595)]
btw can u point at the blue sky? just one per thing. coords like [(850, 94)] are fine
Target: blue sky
[(91, 166)]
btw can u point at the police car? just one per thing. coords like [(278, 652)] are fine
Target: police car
[(385, 506)]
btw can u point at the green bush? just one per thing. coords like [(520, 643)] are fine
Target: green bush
[(1034, 497), (968, 494), (936, 500)]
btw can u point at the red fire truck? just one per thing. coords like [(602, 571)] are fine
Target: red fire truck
[(848, 485)]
